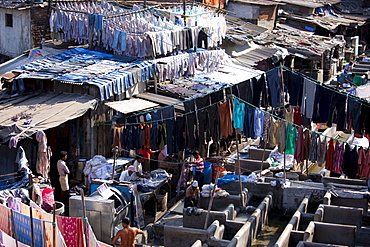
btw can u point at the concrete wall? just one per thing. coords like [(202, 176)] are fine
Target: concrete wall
[(346, 202), (244, 10), (330, 233), (222, 203), (17, 39), (339, 215), (293, 224)]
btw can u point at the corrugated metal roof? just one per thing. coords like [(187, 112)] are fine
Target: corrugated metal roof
[(163, 100), (259, 2), (236, 25), (131, 105), (303, 3), (45, 110), (254, 56)]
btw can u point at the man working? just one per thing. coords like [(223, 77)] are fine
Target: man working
[(131, 174), (127, 234), (199, 168), (192, 195), (63, 175)]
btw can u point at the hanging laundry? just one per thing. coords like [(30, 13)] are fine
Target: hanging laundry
[(42, 162), (353, 115), (274, 85), (338, 158), (321, 105), (249, 121), (298, 152), (337, 112), (273, 131), (330, 156), (259, 119), (266, 124), (72, 230), (295, 88), (313, 150), (23, 232), (321, 151), (308, 98), (306, 144), (8, 241), (350, 161), (226, 119), (4, 219), (238, 114), (291, 139), (297, 116), (281, 136)]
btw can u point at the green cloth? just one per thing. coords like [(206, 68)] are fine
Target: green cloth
[(357, 80), (290, 139)]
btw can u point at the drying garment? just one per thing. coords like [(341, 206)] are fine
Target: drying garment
[(353, 114), (156, 116), (338, 158), (117, 136), (266, 125), (306, 144), (289, 114), (321, 151), (297, 116), (337, 111), (291, 139), (8, 241), (321, 105), (246, 91), (72, 230), (313, 150), (191, 124), (162, 135), (274, 86), (295, 88), (350, 161), (180, 134), (273, 129), (308, 98), (281, 136), (365, 119), (168, 114), (225, 119), (23, 231), (202, 40), (330, 155), (214, 121), (298, 152), (249, 122), (259, 119), (4, 219), (238, 114), (363, 163), (202, 104), (43, 159), (90, 237), (258, 85), (217, 96)]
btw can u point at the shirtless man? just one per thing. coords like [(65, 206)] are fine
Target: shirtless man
[(127, 234)]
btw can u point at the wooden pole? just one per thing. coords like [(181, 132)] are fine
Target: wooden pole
[(263, 156), (54, 227), (84, 212), (184, 10), (32, 231), (115, 153), (239, 169), (212, 196)]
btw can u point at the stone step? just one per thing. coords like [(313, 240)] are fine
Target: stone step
[(248, 165)]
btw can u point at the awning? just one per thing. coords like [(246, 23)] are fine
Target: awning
[(24, 115), (131, 105)]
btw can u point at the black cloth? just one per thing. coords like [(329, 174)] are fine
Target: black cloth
[(203, 119), (274, 86), (202, 37), (321, 105), (199, 176), (168, 114), (337, 111), (180, 134), (354, 113), (156, 115), (246, 91), (365, 119), (217, 96), (214, 122), (191, 126), (249, 122), (350, 162), (295, 88)]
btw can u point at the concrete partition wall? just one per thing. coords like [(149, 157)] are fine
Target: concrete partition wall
[(245, 236), (293, 224), (328, 233), (339, 215), (346, 202)]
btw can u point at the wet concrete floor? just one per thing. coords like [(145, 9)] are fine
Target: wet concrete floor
[(271, 231)]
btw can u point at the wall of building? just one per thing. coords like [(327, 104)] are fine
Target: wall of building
[(299, 10), (17, 39), (267, 16), (244, 10), (39, 25)]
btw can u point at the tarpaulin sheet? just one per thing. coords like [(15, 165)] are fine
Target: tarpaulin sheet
[(24, 115)]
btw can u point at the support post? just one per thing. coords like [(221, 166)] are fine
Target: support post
[(115, 153), (212, 196), (239, 169), (84, 212), (54, 227), (32, 232)]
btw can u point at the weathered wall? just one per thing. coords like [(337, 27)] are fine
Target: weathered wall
[(17, 39), (39, 25), (244, 10)]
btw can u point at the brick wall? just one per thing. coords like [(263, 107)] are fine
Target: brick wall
[(39, 25)]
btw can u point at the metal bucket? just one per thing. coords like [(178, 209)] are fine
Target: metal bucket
[(59, 208), (80, 167)]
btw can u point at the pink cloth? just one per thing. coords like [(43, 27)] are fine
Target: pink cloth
[(72, 231), (92, 242), (43, 162)]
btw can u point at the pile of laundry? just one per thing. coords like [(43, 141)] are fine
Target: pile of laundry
[(208, 188), (98, 168)]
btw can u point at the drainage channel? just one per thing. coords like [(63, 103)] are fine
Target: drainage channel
[(271, 231)]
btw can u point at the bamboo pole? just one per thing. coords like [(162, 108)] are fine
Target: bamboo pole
[(84, 212), (32, 230), (54, 226), (212, 196), (115, 152), (239, 170)]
